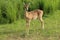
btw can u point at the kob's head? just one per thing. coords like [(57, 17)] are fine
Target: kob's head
[(26, 6)]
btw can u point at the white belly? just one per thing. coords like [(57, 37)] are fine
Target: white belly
[(35, 17)]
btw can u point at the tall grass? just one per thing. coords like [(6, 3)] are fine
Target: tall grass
[(12, 10)]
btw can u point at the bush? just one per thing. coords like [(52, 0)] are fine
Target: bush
[(12, 10)]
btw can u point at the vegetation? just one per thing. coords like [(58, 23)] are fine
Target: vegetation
[(16, 30), (12, 22), (12, 10)]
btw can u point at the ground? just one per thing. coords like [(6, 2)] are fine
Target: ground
[(16, 30)]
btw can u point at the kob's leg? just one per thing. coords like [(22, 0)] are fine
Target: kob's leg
[(27, 26), (42, 23)]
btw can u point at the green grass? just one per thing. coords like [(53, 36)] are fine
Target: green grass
[(16, 30), (10, 10)]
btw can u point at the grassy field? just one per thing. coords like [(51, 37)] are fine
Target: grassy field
[(16, 30)]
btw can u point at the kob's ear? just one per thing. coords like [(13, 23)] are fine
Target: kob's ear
[(23, 3), (29, 3)]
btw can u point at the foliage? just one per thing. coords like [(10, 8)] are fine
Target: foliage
[(12, 10)]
